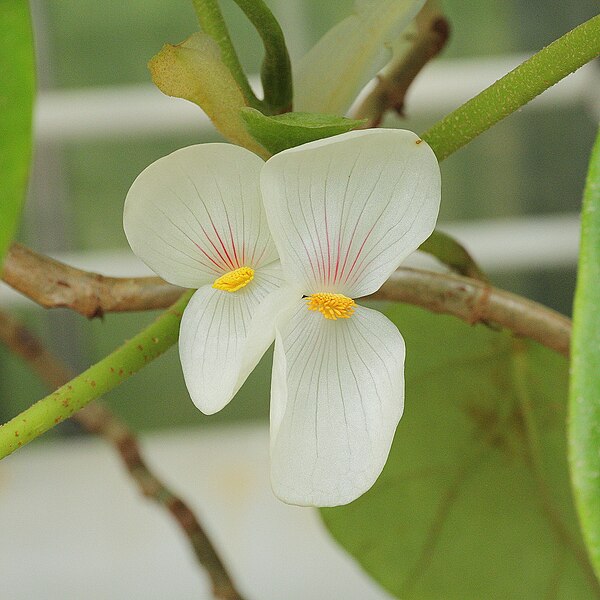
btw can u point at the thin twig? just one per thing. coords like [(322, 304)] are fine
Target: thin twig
[(97, 418), (43, 280), (430, 37)]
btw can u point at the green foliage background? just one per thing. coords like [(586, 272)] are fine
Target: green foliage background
[(475, 498), (474, 501)]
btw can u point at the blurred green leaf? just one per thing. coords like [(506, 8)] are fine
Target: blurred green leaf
[(17, 81), (294, 128), (449, 251), (474, 501), (584, 415)]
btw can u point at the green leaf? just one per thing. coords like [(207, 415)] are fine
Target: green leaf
[(447, 250), (474, 501), (292, 129), (16, 105), (584, 415)]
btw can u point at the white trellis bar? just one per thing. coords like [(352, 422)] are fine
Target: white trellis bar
[(138, 110)]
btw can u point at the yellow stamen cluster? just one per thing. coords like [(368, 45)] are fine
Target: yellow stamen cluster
[(234, 280), (332, 306)]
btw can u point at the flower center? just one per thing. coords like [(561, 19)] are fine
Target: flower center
[(332, 306), (234, 280)]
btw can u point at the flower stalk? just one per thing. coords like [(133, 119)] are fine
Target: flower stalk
[(276, 72), (540, 72), (94, 382)]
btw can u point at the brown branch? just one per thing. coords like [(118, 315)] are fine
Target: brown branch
[(478, 302), (97, 418), (432, 32), (53, 284), (472, 301)]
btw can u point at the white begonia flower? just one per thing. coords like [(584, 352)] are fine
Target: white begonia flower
[(343, 212), (195, 217), (331, 74)]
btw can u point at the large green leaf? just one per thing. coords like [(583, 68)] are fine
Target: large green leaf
[(584, 430), (474, 501), (16, 101)]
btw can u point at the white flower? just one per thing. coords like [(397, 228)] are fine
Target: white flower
[(343, 212), (328, 78), (195, 217)]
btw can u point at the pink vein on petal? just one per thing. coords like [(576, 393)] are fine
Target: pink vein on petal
[(337, 258), (224, 265), (237, 262), (358, 254), (222, 245), (220, 267), (328, 245)]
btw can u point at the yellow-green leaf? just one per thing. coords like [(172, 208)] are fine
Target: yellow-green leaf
[(584, 415), (194, 70), (17, 83)]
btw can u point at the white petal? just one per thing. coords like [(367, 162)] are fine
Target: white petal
[(346, 210), (223, 335), (197, 213), (330, 75), (336, 398)]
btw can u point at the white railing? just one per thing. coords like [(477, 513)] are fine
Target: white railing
[(138, 110), (141, 110)]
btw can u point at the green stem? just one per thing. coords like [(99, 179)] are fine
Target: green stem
[(95, 381), (212, 22), (541, 71), (276, 71)]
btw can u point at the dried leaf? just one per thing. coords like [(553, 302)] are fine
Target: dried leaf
[(194, 70)]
